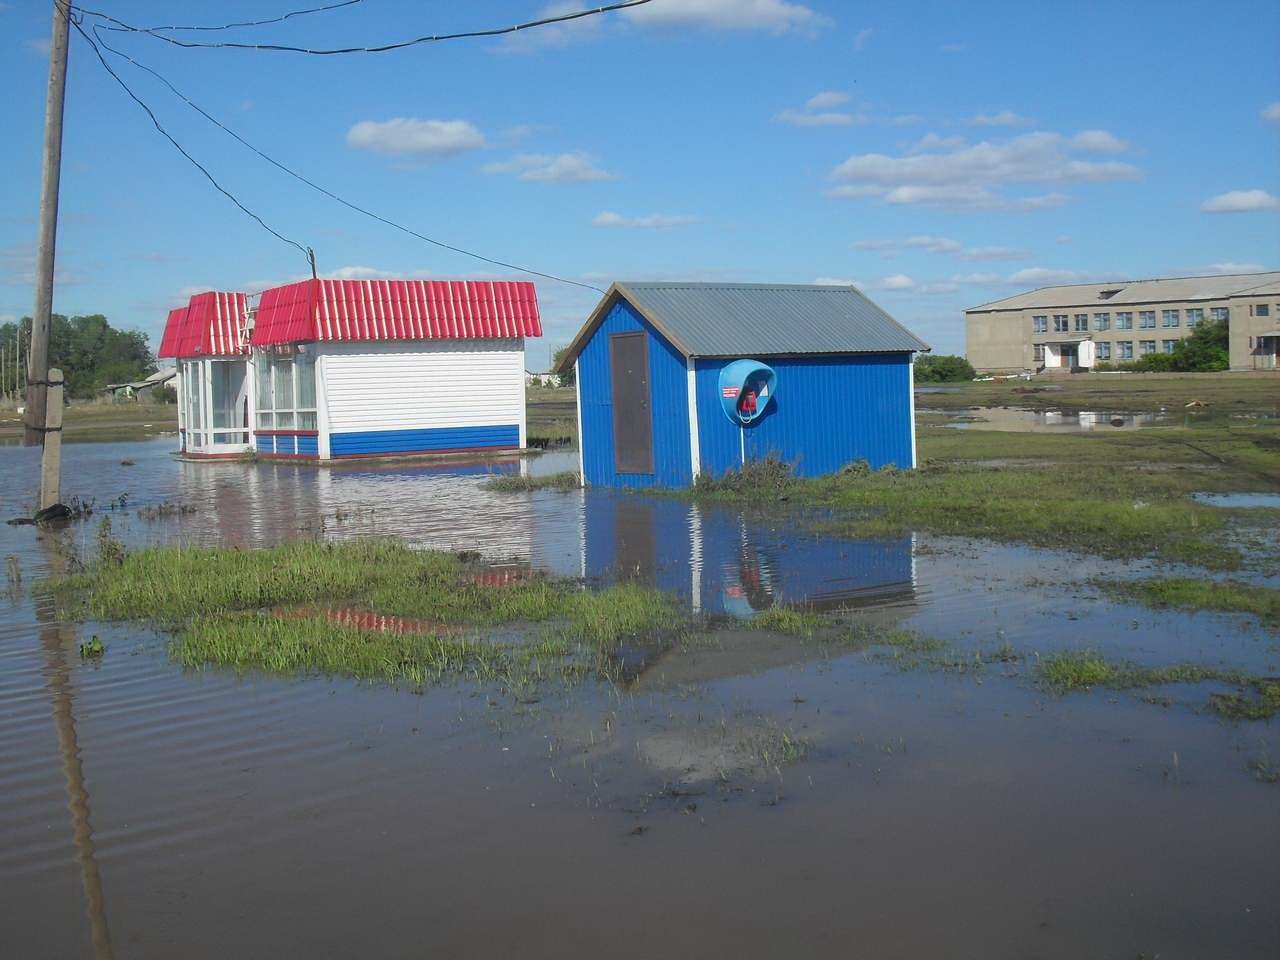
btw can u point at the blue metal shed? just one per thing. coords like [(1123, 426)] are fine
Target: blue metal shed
[(830, 381)]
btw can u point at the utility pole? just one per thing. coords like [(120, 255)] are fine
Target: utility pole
[(38, 350)]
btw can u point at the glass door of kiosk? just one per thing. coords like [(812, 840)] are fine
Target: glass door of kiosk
[(215, 407)]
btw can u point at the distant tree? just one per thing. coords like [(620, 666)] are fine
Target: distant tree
[(566, 378), (89, 351), (943, 368), (164, 394)]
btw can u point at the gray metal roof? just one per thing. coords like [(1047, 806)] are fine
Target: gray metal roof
[(758, 319), (1169, 289)]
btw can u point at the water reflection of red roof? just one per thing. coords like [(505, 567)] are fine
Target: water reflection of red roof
[(210, 325), (353, 310)]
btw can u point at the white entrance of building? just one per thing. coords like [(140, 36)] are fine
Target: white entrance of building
[(213, 406), (1070, 354)]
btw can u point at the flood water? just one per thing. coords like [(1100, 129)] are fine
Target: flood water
[(146, 811), (1016, 420)]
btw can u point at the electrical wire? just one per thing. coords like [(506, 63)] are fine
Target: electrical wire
[(249, 23), (120, 25), (329, 193), (177, 146)]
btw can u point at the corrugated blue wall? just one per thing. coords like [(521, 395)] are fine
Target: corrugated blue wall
[(827, 412), (668, 388)]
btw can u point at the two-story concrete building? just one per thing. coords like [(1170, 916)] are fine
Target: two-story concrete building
[(1077, 326)]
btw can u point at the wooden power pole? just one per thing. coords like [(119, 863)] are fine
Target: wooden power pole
[(38, 351)]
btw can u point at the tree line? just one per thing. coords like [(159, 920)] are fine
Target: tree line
[(90, 352)]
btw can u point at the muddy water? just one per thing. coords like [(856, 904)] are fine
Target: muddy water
[(150, 812)]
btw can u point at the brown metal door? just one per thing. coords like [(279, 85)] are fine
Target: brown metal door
[(632, 413)]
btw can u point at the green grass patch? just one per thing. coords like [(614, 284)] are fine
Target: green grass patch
[(518, 483), (1255, 697), (295, 608), (1114, 496), (800, 623), (1187, 593)]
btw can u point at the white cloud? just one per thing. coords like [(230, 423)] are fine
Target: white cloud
[(1005, 118), (895, 281), (1272, 112), (932, 141), (980, 279), (801, 118), (954, 47), (976, 176), (943, 246), (817, 113), (826, 98), (906, 120), (359, 273), (775, 16), (1241, 201), (553, 35), (1229, 267), (38, 45), (406, 136), (1048, 276), (834, 282), (1098, 141), (575, 167), (861, 37), (654, 221)]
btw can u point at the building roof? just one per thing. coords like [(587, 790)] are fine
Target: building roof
[(163, 375), (361, 310), (210, 325), (1136, 291), (756, 319)]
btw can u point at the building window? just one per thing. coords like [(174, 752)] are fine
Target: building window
[(1104, 351), (1101, 321), (286, 392), (1146, 318), (1219, 313), (1124, 321), (1166, 346), (1195, 318), (1082, 323), (1060, 323), (1039, 324), (1260, 310), (1038, 352), (1124, 350), (1146, 347), (1168, 318)]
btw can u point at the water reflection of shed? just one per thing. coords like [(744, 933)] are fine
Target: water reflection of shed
[(728, 563)]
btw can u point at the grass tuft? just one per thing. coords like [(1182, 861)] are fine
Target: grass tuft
[(1187, 593), (518, 483)]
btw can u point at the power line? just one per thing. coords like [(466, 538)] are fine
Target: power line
[(329, 193), (120, 25), (177, 146), (249, 23)]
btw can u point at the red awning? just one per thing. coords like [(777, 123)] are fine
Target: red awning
[(396, 310), (211, 325)]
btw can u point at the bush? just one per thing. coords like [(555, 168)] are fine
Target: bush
[(164, 394), (943, 368), (1205, 350)]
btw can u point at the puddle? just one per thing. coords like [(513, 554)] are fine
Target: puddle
[(1239, 500), (735, 787), (1015, 420)]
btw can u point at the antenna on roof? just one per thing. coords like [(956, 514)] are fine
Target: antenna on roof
[(311, 259)]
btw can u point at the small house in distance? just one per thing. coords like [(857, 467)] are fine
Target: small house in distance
[(678, 379)]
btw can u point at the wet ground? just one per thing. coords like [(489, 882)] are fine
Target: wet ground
[(150, 812)]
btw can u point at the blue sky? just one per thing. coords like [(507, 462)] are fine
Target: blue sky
[(939, 155)]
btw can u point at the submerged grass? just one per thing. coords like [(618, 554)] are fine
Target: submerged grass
[(267, 609), (1113, 495), (1255, 697), (1187, 593), (517, 483)]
